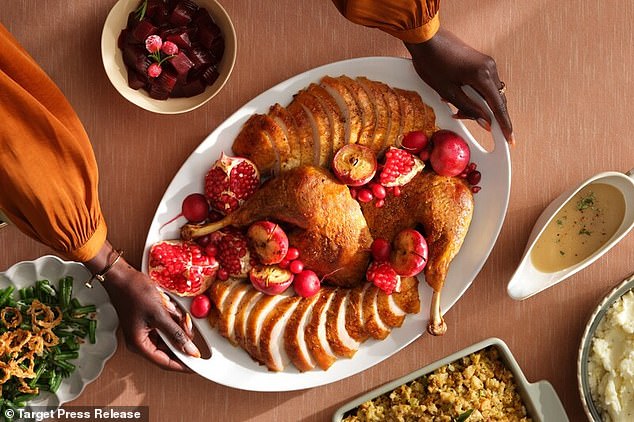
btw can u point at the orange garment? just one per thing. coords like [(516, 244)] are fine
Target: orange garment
[(48, 173), (413, 21)]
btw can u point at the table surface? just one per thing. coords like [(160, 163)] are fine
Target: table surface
[(570, 88)]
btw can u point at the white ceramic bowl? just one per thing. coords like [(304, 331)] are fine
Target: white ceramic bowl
[(92, 357), (118, 74), (589, 406), (540, 398), (528, 280)]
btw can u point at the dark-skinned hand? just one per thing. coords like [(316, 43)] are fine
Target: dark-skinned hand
[(142, 310), (446, 64)]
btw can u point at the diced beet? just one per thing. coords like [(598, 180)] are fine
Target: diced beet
[(182, 65), (161, 14), (153, 7), (162, 87), (134, 56), (143, 29), (183, 13), (190, 89), (217, 50), (209, 75), (123, 36), (206, 36), (167, 80), (200, 57), (135, 80), (180, 38)]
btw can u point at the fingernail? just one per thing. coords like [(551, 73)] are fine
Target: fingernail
[(191, 349), (188, 326), (484, 124)]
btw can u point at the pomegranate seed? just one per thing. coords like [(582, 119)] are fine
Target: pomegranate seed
[(203, 240), (284, 264), (471, 167), (365, 195), (475, 189), (292, 253), (396, 191), (211, 250), (296, 266), (378, 191), (354, 192), (474, 177), (223, 275), (379, 203)]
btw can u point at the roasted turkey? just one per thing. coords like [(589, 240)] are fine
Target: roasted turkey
[(295, 146)]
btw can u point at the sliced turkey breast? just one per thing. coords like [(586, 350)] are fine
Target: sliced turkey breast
[(389, 312), (230, 308), (408, 299), (366, 107), (371, 318), (335, 117), (338, 338), (272, 349), (382, 117), (315, 332), (320, 124), (424, 116), (348, 106), (304, 130), (243, 311), (290, 158), (393, 106), (262, 307), (407, 114), (294, 334), (253, 142), (354, 313)]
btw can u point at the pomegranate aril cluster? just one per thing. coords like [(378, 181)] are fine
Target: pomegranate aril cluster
[(472, 176)]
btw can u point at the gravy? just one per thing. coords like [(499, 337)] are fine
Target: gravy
[(584, 224)]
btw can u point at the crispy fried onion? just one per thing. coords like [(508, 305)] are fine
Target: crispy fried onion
[(19, 346)]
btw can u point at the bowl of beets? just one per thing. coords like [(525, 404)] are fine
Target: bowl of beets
[(168, 56)]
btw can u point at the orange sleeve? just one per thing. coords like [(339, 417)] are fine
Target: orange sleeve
[(48, 172), (413, 21)]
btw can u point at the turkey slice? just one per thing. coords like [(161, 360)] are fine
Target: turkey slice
[(272, 349), (338, 338)]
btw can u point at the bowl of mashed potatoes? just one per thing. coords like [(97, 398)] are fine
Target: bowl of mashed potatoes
[(606, 358)]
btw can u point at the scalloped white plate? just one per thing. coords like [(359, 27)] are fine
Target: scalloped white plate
[(92, 357), (230, 365)]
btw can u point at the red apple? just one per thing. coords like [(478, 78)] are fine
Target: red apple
[(409, 254), (270, 279), (450, 154), (269, 242), (354, 164)]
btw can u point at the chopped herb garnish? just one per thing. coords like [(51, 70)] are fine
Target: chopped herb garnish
[(559, 222), (464, 416), (585, 231), (562, 253), (140, 11), (586, 202)]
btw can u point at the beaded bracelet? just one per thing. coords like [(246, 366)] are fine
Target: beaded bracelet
[(101, 275)]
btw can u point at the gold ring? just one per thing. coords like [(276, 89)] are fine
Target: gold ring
[(502, 89)]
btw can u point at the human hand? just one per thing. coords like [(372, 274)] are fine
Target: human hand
[(143, 310), (446, 64)]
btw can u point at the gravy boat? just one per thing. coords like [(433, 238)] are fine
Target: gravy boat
[(527, 279)]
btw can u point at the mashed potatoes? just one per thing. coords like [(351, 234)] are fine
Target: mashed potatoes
[(611, 365)]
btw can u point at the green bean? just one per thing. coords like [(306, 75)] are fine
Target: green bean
[(84, 310), (6, 293)]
